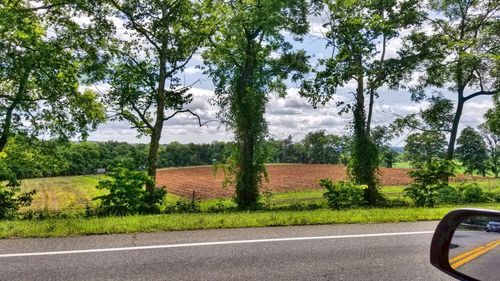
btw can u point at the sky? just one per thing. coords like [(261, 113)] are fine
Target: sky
[(291, 115)]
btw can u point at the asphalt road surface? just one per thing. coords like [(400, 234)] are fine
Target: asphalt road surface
[(483, 267), (331, 252)]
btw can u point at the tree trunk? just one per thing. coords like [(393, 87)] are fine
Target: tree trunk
[(154, 146), (370, 111), (454, 129), (365, 157), (4, 137), (6, 127), (246, 111), (157, 128)]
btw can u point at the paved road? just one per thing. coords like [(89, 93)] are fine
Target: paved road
[(466, 241), (348, 254)]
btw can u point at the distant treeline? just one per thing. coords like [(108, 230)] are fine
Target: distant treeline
[(31, 158)]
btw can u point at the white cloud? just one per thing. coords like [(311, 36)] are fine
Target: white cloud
[(193, 70)]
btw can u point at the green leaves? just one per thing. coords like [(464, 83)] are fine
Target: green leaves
[(472, 151), (248, 59), (428, 181), (127, 194), (42, 72)]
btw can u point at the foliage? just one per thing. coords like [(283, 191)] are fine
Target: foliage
[(11, 200), (127, 194), (449, 195), (472, 193), (437, 117), (464, 193), (322, 148), (354, 31), (342, 195), (184, 206), (381, 136), (492, 141), (10, 197), (46, 59), (250, 58), (460, 53), (472, 151), (145, 76), (421, 148), (428, 180), (30, 157)]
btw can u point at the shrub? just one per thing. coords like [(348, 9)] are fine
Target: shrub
[(431, 177), (184, 206), (127, 194), (472, 193), (449, 195), (342, 195), (11, 200)]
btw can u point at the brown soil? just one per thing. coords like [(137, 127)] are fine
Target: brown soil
[(206, 184)]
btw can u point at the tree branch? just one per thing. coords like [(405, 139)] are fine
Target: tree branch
[(192, 113), (480, 93), (142, 115), (139, 28)]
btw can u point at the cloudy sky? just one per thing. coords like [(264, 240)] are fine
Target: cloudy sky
[(291, 115)]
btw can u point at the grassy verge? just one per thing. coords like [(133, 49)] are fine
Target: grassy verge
[(151, 223)]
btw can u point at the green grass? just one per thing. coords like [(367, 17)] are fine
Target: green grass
[(403, 165), (132, 224), (62, 194)]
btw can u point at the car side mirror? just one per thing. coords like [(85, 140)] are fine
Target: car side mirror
[(466, 245)]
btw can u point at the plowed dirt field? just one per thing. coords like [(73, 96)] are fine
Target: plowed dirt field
[(206, 184)]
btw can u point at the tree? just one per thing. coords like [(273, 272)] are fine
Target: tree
[(355, 29), (472, 151), (322, 148), (461, 53), (421, 148), (248, 59), (145, 82), (46, 60), (32, 158), (431, 125), (381, 136), (493, 146)]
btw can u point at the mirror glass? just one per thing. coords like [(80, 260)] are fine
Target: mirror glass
[(475, 248)]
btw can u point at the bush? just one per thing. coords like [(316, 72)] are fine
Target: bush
[(431, 177), (449, 195), (11, 200), (342, 195), (127, 194), (472, 193), (184, 206)]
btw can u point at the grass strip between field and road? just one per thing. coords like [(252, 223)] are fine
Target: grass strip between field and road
[(63, 227)]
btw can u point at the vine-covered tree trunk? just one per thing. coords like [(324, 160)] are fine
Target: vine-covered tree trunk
[(248, 115), (364, 163), (247, 184)]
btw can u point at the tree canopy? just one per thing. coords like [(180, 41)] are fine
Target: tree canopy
[(248, 59), (47, 59)]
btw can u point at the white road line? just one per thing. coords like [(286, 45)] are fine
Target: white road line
[(210, 244)]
